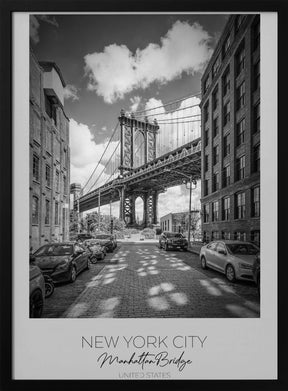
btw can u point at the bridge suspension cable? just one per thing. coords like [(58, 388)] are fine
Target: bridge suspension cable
[(97, 165)]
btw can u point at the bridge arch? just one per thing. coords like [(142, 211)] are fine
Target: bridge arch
[(139, 148), (139, 209)]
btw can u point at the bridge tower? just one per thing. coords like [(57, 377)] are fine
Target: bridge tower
[(129, 125)]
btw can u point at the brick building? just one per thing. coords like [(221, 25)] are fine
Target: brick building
[(49, 155), (230, 108), (178, 222)]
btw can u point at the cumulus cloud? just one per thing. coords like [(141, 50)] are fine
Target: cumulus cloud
[(117, 71), (85, 154), (71, 92), (135, 102), (35, 25)]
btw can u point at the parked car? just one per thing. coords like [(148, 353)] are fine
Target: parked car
[(256, 272), (36, 290), (62, 261), (97, 250), (83, 237), (108, 240), (231, 257), (171, 240)]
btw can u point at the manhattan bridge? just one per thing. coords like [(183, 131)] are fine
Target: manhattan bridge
[(148, 151)]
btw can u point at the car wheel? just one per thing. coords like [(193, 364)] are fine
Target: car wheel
[(73, 274), (36, 304), (203, 263), (49, 288), (93, 259), (230, 273), (185, 249), (166, 247)]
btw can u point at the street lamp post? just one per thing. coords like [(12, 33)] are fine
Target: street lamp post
[(191, 182)]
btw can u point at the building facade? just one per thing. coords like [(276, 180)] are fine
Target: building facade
[(230, 108), (178, 222), (49, 155)]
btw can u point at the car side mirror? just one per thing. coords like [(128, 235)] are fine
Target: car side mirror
[(223, 252)]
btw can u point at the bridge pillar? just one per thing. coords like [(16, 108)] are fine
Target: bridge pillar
[(122, 201)]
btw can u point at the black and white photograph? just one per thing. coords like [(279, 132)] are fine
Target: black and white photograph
[(144, 195), (145, 166)]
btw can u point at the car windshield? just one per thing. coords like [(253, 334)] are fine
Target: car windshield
[(173, 235), (242, 248), (103, 237), (55, 250)]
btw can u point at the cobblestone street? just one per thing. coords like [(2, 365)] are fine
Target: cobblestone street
[(142, 281)]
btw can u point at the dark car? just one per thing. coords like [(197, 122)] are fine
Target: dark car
[(171, 240), (62, 261), (256, 272), (108, 241), (37, 290), (83, 237)]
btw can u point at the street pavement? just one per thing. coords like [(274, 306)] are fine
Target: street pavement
[(141, 281)]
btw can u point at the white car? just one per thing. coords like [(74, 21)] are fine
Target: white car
[(231, 257)]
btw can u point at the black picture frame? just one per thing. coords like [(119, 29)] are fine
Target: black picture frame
[(6, 174)]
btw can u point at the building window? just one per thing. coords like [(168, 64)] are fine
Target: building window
[(215, 183), (35, 210), (240, 206), (238, 21), (215, 99), (215, 67), (48, 175), (206, 112), (226, 208), (255, 210), (256, 158), (240, 132), (240, 59), (256, 74), (206, 137), (206, 187), (240, 167), (256, 34), (206, 84), (206, 162), (226, 113), (57, 181), (215, 126), (255, 237), (215, 211), (215, 235), (226, 145), (240, 96), (56, 213), (64, 185), (36, 163), (51, 109), (238, 235), (47, 212), (256, 118), (226, 235), (65, 153), (226, 82), (206, 213), (226, 45), (215, 154), (226, 176)]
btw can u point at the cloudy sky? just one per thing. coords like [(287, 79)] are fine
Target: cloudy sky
[(110, 62)]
